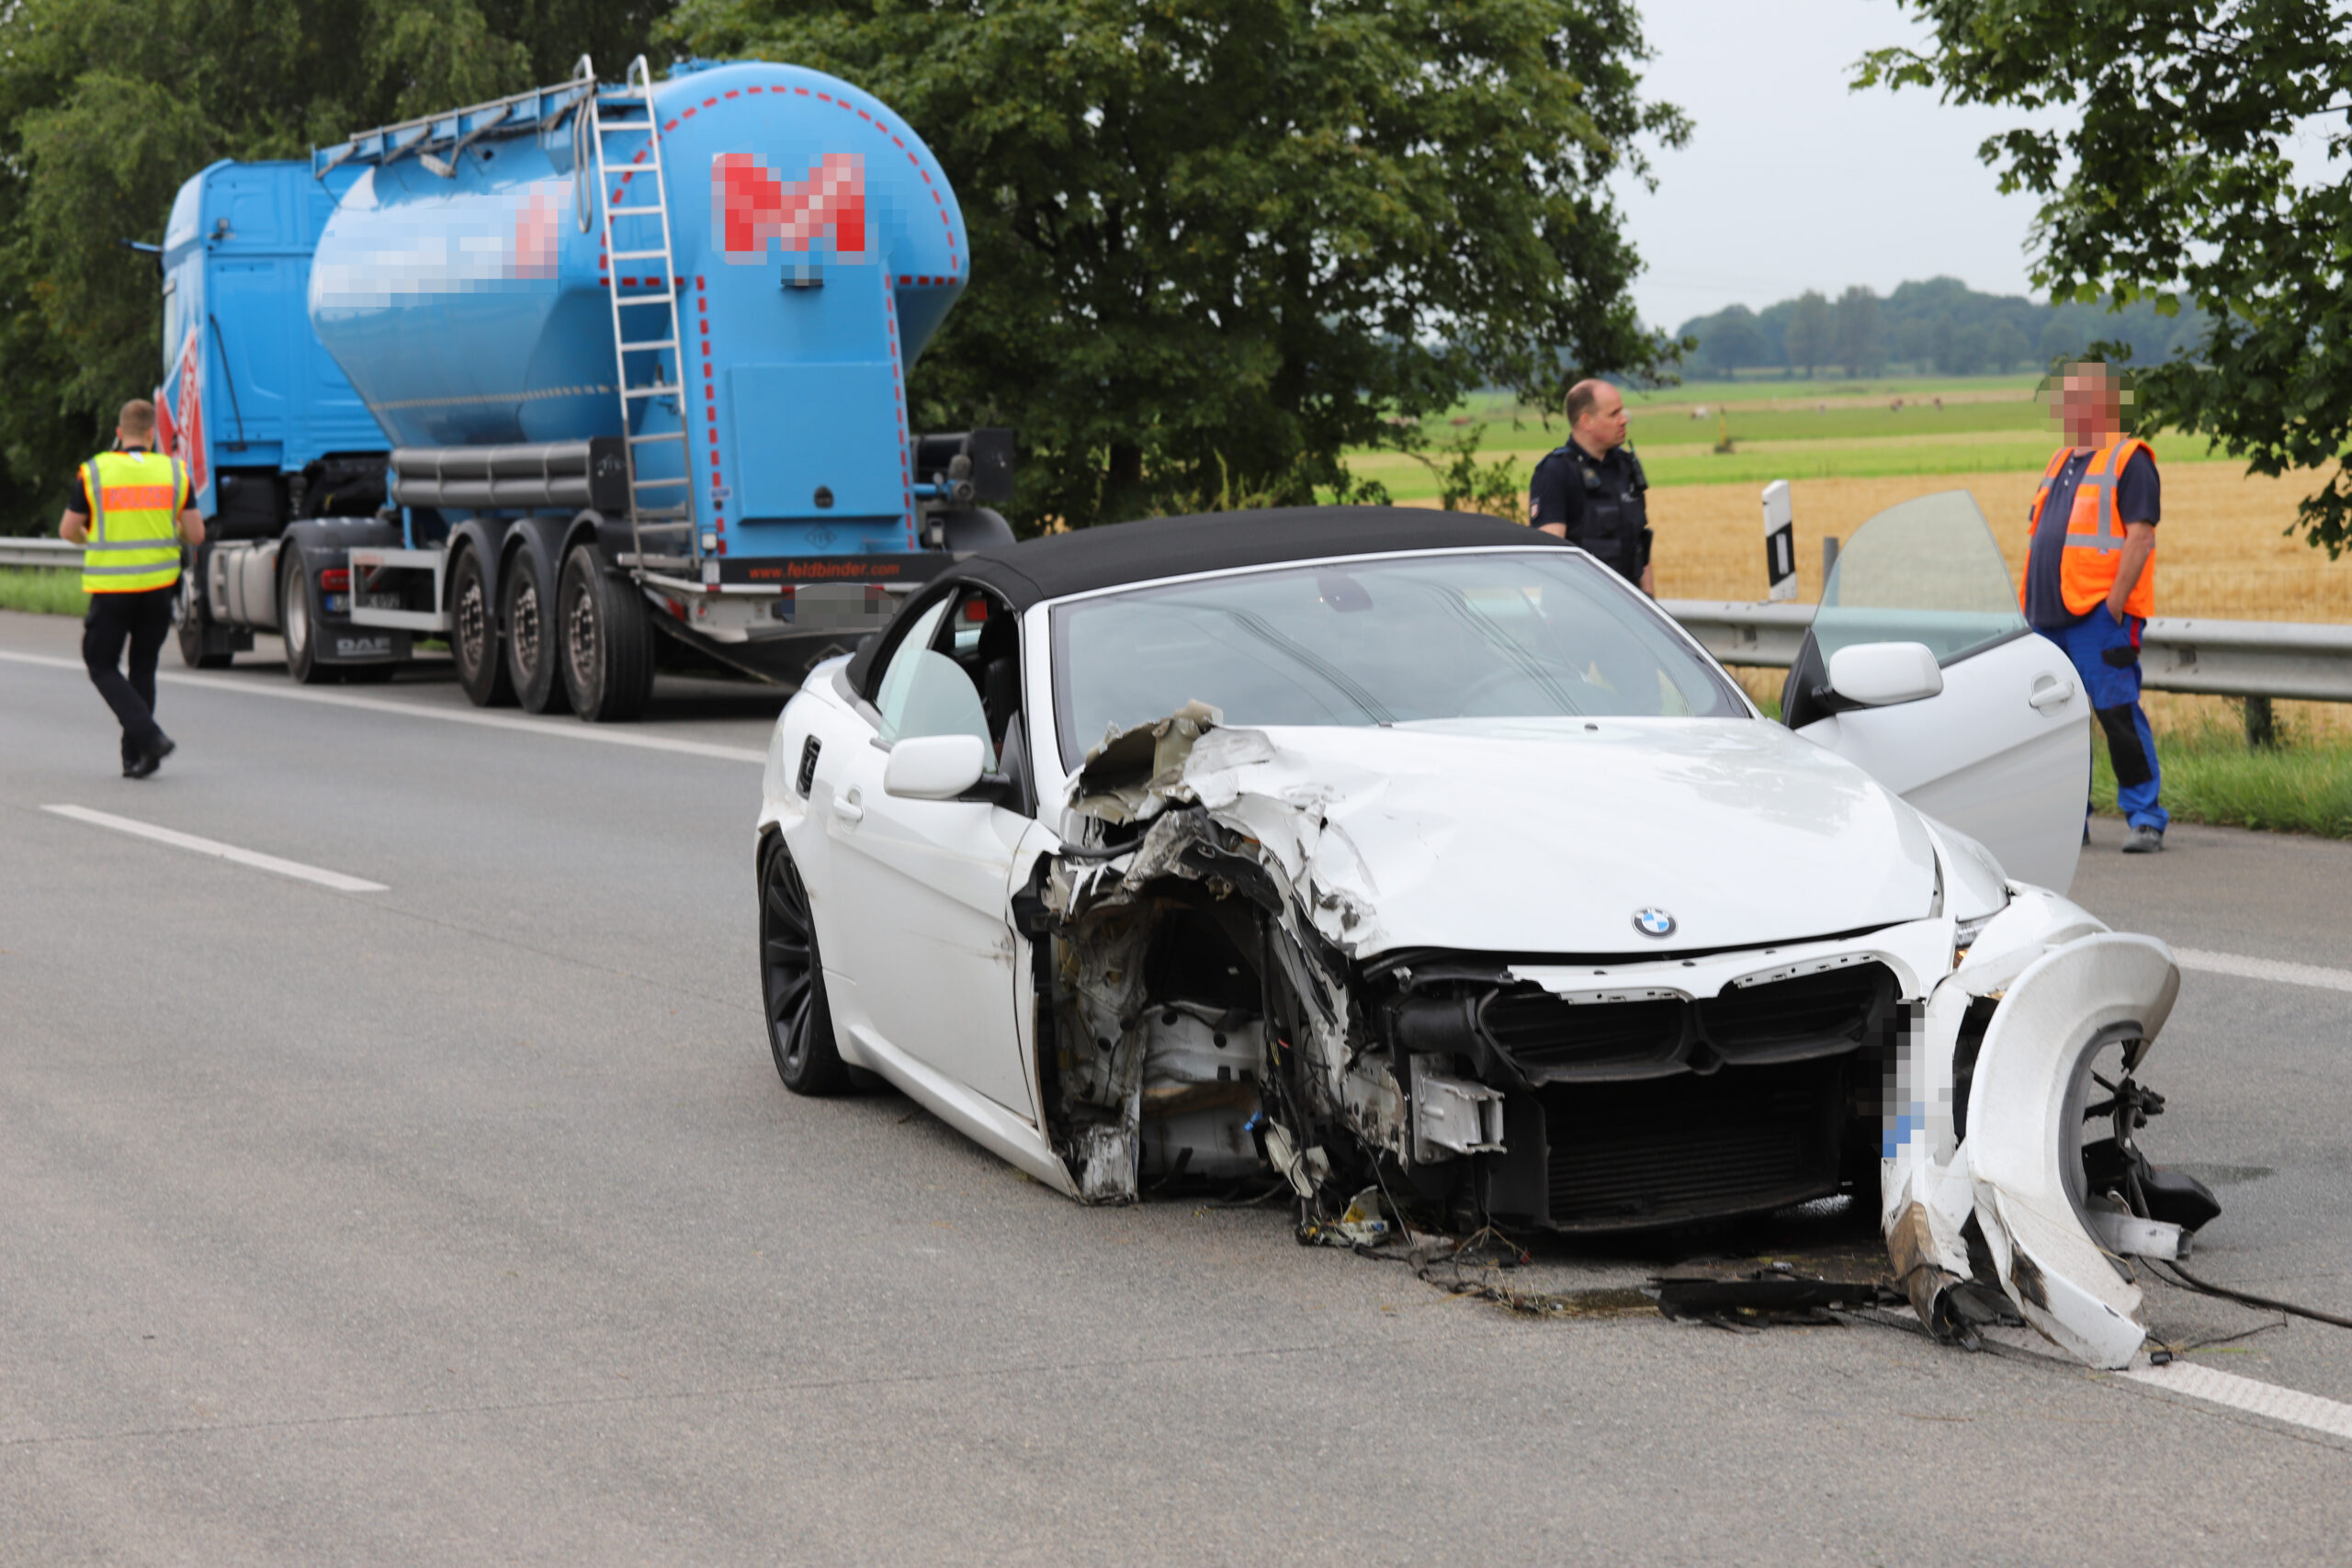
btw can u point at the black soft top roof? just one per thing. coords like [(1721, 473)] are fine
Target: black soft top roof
[(1172, 546), (1111, 556)]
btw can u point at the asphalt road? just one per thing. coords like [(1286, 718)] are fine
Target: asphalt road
[(466, 1220)]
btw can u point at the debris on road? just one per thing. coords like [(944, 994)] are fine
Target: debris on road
[(1764, 1296)]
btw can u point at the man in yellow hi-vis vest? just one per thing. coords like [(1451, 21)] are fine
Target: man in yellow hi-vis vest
[(129, 510)]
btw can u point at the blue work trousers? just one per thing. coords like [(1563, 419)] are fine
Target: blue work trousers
[(2106, 656)]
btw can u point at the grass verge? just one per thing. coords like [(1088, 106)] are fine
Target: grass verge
[(42, 590), (2302, 786)]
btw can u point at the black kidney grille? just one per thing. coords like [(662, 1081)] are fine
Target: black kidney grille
[(1543, 1033), (1667, 1150), (1811, 1015)]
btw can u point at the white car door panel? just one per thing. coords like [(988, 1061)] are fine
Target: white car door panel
[(923, 892), (924, 886), (1986, 757), (2003, 754)]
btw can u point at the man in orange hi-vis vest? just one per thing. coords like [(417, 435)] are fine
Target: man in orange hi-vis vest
[(129, 510), (2090, 577)]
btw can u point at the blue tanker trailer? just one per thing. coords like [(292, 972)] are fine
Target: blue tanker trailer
[(604, 361)]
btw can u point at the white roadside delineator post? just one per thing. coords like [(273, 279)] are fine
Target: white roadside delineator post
[(1780, 542)]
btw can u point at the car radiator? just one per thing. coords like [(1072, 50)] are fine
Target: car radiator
[(1666, 1150)]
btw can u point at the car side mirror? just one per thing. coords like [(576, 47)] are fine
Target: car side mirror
[(1882, 674), (935, 767)]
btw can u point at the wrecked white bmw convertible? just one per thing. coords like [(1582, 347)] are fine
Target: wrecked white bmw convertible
[(1350, 844)]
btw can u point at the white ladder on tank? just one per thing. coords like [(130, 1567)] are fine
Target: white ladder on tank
[(627, 138)]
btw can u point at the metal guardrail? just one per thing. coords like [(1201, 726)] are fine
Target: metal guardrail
[(60, 553), (1768, 634), (2225, 659)]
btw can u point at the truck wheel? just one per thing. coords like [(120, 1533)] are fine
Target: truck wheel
[(792, 983), (608, 640), (474, 637), (297, 621), (531, 663), (196, 631)]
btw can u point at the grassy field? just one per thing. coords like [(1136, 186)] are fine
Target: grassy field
[(1789, 430), (44, 593)]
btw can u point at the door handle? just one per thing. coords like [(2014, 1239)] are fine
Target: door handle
[(847, 809), (2051, 690)]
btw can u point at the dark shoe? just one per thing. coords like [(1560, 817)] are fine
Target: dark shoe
[(2086, 835), (2144, 842), (150, 760)]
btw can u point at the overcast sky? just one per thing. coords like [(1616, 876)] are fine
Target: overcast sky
[(1791, 181)]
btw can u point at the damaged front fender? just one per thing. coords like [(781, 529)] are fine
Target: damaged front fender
[(1985, 1195)]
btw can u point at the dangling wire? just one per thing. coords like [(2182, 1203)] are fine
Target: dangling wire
[(2249, 1298)]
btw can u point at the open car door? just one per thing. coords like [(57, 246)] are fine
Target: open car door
[(2003, 754)]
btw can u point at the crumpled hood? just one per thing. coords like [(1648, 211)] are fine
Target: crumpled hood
[(1546, 836)]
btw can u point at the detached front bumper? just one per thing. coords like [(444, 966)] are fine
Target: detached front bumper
[(1983, 1188)]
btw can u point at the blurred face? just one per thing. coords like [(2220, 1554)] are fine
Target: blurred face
[(2087, 405), (1601, 430)]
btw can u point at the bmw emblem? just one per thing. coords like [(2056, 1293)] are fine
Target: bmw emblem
[(1652, 923)]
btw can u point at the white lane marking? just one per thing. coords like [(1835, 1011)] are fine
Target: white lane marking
[(2217, 1387), (2210, 1384), (213, 847), (2269, 969), (558, 728)]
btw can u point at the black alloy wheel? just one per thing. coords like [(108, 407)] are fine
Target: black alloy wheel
[(792, 984), (528, 602), (474, 637), (298, 620)]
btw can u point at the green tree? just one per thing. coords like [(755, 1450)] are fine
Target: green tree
[(1216, 242), (1729, 340), (1811, 333), (2005, 345), (1860, 346), (107, 105), (2059, 340), (2177, 175)]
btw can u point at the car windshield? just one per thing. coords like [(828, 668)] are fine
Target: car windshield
[(1925, 571), (1503, 633)]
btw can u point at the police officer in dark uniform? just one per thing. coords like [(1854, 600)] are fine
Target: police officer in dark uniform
[(1591, 492)]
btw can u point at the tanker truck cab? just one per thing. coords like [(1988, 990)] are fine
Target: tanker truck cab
[(287, 462), (639, 350)]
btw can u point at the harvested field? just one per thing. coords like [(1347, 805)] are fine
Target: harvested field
[(2222, 549), (2222, 552)]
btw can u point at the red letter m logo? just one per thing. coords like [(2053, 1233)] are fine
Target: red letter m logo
[(752, 204)]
